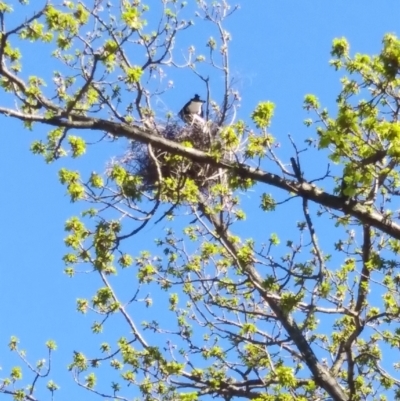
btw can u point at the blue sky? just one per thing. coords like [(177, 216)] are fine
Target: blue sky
[(279, 52)]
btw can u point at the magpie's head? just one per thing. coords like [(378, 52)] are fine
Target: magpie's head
[(197, 99)]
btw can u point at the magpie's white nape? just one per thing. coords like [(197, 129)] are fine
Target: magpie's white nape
[(192, 110)]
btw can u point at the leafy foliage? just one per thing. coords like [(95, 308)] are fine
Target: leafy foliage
[(259, 318)]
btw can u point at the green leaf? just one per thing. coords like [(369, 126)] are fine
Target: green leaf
[(78, 146), (16, 373), (133, 74), (340, 48), (263, 114)]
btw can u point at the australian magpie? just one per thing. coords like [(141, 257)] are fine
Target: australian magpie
[(191, 109)]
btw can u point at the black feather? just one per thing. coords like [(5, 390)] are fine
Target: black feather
[(192, 107)]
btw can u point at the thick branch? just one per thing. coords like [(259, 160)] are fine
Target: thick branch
[(321, 375), (364, 214)]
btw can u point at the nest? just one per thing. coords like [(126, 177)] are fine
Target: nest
[(159, 164)]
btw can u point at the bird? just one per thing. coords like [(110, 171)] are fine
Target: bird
[(192, 109)]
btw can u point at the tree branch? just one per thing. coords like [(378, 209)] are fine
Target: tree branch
[(321, 375), (304, 189)]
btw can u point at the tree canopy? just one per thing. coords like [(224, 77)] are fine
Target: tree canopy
[(207, 311)]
